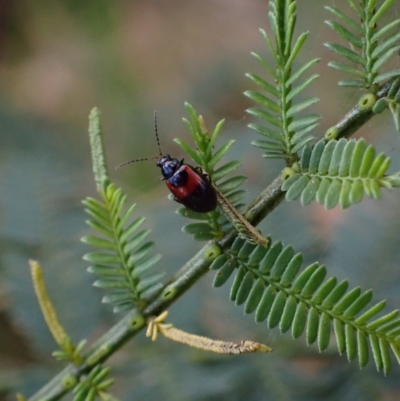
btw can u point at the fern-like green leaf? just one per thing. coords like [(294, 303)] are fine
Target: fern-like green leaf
[(370, 47), (212, 225), (339, 172), (124, 257), (270, 283), (285, 129)]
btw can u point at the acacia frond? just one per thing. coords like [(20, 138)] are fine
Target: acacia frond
[(370, 47), (272, 284), (215, 224), (339, 172), (286, 131), (123, 258)]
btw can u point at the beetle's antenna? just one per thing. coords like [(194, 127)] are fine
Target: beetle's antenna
[(155, 128), (142, 159)]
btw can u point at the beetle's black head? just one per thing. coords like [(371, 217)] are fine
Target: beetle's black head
[(168, 166)]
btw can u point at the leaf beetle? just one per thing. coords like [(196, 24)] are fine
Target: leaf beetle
[(189, 185)]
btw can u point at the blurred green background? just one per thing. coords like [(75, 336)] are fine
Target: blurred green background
[(129, 58)]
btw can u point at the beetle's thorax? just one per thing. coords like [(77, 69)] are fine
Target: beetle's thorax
[(168, 166)]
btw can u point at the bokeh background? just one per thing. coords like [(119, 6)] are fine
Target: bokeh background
[(129, 58)]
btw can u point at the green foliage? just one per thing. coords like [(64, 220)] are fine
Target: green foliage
[(269, 278), (369, 48), (124, 256), (392, 100), (95, 386), (212, 225), (272, 284), (286, 132), (340, 172)]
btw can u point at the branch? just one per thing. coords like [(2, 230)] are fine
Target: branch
[(357, 116)]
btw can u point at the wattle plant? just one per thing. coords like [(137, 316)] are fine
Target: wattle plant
[(269, 277)]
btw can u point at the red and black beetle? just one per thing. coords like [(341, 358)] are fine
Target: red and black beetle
[(188, 184)]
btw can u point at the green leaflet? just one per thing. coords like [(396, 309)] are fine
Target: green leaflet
[(254, 296), (271, 283), (280, 106), (370, 45), (339, 172)]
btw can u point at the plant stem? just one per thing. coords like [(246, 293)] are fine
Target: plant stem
[(356, 118)]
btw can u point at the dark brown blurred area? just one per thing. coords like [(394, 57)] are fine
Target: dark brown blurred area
[(7, 20)]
